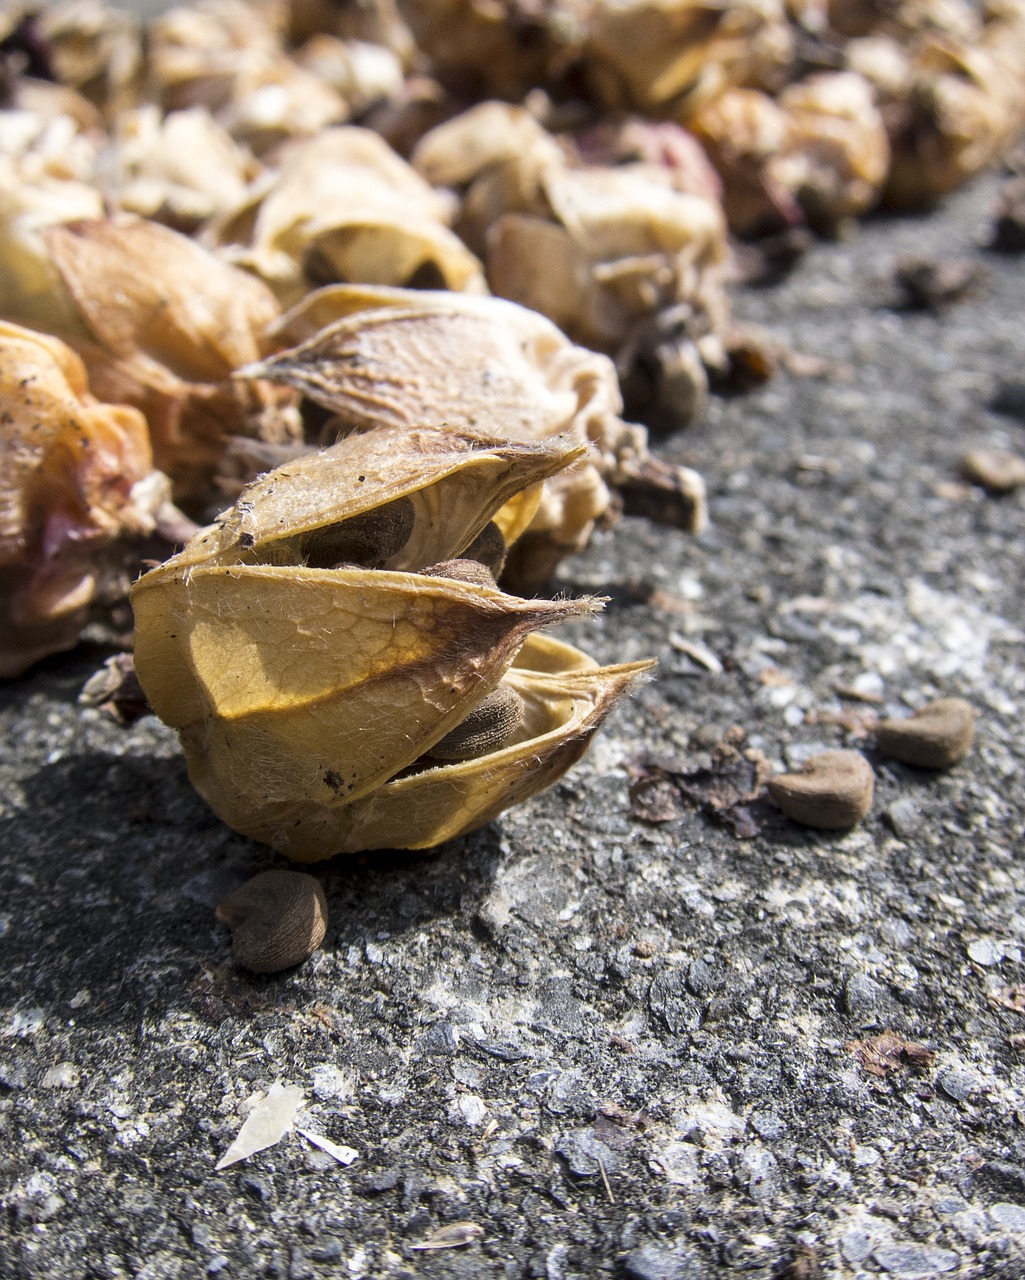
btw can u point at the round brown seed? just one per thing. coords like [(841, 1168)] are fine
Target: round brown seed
[(832, 790), (488, 726), (277, 919), (936, 736)]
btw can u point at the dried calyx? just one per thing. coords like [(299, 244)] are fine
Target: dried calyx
[(343, 674)]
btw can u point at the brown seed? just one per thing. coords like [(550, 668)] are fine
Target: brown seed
[(936, 736), (488, 726), (277, 919), (367, 539), (832, 790), (489, 547), (997, 470), (461, 570)]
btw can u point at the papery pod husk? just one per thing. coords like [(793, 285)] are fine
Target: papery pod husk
[(297, 690), (180, 169), (662, 55), (566, 698), (95, 49), (344, 206), (76, 486), (390, 356), (161, 324), (963, 106), (503, 48)]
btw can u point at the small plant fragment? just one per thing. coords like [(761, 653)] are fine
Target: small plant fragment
[(270, 1119), (888, 1052)]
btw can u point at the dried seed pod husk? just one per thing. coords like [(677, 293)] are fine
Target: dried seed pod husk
[(935, 736), (389, 356), (962, 104), (277, 920), (656, 55), (94, 49), (832, 790), (300, 692), (77, 486), (835, 155), (344, 206), (181, 169), (599, 250), (161, 324), (502, 49)]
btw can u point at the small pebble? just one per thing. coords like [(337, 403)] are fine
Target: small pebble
[(1009, 1216), (831, 791), (997, 470), (915, 1261), (936, 736)]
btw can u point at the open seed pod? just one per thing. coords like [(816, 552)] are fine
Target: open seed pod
[(601, 250), (76, 485), (344, 206), (310, 649), (161, 324), (397, 356)]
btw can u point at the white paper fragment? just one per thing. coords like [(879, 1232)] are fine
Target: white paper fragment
[(452, 1236), (266, 1124), (344, 1155)]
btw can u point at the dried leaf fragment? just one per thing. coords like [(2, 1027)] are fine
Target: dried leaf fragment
[(888, 1052), (343, 1155), (723, 790), (268, 1122)]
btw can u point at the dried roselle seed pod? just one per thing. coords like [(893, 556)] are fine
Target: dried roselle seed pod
[(302, 691)]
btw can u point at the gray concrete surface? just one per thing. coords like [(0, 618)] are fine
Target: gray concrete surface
[(620, 1049)]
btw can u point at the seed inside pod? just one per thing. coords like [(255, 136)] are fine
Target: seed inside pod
[(489, 548), (368, 539), (277, 919), (831, 791), (461, 570), (487, 728), (936, 736)]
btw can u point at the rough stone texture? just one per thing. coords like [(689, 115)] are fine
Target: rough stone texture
[(619, 1048)]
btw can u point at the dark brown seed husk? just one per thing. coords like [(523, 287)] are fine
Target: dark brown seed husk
[(277, 919), (461, 570), (487, 728), (367, 540)]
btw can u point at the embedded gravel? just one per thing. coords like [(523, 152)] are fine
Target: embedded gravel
[(620, 1048)]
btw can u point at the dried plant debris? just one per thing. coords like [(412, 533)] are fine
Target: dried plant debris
[(270, 1119), (888, 1052), (115, 691), (661, 789), (384, 357), (161, 324), (929, 284), (1012, 998), (337, 557), (340, 1154), (77, 493)]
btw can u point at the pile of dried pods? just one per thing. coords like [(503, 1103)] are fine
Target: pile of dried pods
[(445, 235)]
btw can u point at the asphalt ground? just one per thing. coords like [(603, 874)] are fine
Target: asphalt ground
[(617, 1047)]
